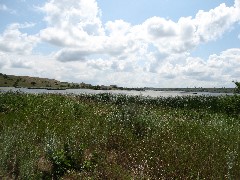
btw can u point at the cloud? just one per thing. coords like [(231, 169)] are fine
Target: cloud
[(237, 3), (184, 35), (1, 64), (211, 25), (2, 60), (13, 40), (217, 70), (117, 27), (71, 23), (99, 64), (3, 7), (32, 65), (66, 55), (76, 27), (198, 69), (160, 28), (13, 61), (21, 64), (112, 65), (155, 52)]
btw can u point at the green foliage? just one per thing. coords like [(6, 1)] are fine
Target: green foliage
[(63, 160), (237, 88), (33, 83), (104, 136), (5, 76)]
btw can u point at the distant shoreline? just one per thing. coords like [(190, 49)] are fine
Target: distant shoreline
[(52, 84), (184, 90)]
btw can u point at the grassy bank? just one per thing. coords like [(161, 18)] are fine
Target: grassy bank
[(103, 136)]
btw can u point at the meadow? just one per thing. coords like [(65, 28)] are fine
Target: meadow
[(104, 136)]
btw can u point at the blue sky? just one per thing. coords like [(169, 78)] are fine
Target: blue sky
[(133, 43), (136, 11)]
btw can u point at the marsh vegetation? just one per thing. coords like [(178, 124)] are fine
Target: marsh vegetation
[(104, 136)]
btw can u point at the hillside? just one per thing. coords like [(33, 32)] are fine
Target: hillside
[(26, 81)]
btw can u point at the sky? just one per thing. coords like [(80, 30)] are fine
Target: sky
[(130, 43)]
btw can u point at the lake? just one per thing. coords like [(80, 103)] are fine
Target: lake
[(146, 93)]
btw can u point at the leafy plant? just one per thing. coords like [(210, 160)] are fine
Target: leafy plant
[(237, 88)]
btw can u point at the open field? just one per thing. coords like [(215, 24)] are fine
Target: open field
[(103, 136)]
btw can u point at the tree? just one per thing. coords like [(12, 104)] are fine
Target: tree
[(5, 76), (237, 88), (33, 83), (16, 83)]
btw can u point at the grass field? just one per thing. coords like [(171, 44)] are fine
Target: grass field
[(51, 136)]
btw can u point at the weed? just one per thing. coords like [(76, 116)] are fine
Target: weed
[(104, 136)]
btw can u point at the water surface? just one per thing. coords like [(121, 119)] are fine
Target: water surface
[(146, 93)]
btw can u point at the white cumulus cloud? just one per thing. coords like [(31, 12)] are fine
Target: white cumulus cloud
[(156, 52), (13, 40), (76, 27), (184, 35), (71, 23), (211, 25), (217, 70)]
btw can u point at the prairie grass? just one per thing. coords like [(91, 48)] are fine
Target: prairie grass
[(104, 136)]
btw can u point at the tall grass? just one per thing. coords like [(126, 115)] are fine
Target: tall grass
[(104, 136)]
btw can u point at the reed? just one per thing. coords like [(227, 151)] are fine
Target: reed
[(104, 136)]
